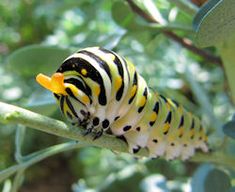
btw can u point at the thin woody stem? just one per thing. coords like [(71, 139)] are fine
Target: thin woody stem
[(187, 43)]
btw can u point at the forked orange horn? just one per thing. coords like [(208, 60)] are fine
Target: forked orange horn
[(55, 83)]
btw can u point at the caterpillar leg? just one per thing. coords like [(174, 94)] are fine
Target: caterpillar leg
[(173, 150), (136, 140), (98, 134), (87, 131), (187, 151), (90, 128), (156, 147)]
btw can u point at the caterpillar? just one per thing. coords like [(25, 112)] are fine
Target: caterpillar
[(102, 92)]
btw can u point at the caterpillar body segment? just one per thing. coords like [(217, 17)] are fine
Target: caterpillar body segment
[(102, 92)]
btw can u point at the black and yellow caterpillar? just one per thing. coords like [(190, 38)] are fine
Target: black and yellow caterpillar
[(102, 92)]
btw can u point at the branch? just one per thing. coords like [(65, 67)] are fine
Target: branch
[(13, 114), (16, 115), (187, 43), (218, 158)]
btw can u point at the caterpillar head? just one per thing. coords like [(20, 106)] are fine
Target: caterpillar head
[(74, 103)]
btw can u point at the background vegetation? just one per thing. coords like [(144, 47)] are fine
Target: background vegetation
[(166, 40)]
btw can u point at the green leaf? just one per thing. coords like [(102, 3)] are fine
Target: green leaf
[(217, 181), (226, 50), (31, 60), (209, 179), (199, 176), (214, 22), (201, 14)]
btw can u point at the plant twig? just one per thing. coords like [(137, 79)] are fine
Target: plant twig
[(19, 138), (13, 114), (141, 12), (36, 157), (18, 180), (187, 43), (216, 158)]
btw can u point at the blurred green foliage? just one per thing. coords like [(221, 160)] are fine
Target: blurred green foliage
[(53, 29)]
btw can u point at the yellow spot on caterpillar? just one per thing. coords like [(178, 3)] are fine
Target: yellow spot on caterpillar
[(180, 109), (97, 90), (153, 116), (133, 90), (201, 132), (166, 127), (84, 71), (168, 106), (192, 132), (118, 83), (142, 101), (73, 66), (85, 99), (180, 131)]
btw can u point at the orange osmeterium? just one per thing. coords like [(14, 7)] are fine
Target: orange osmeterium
[(55, 83)]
